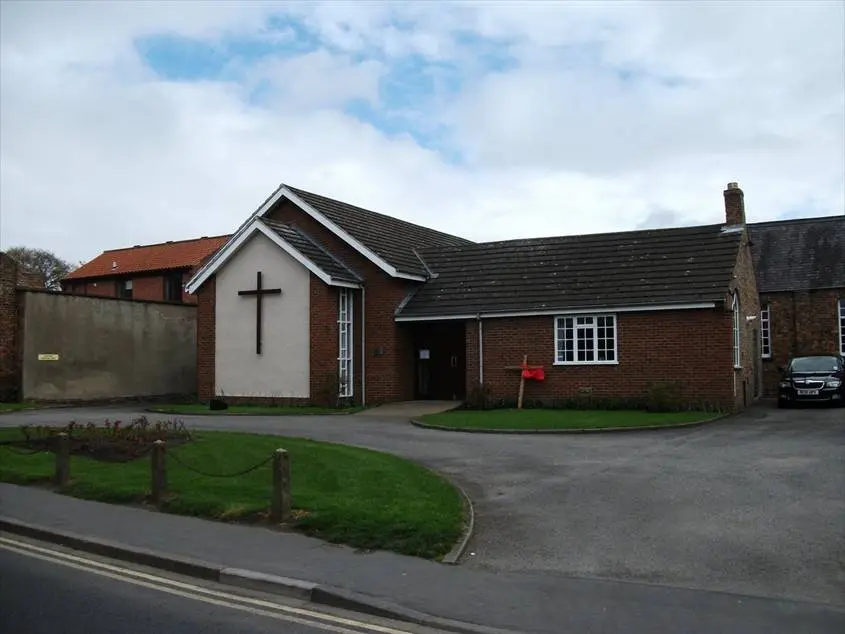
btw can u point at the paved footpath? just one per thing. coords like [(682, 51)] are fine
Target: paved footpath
[(520, 602)]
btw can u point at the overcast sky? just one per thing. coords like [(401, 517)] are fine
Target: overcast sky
[(135, 122)]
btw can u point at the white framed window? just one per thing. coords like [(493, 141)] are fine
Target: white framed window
[(766, 332), (842, 327), (344, 356), (586, 339), (737, 353)]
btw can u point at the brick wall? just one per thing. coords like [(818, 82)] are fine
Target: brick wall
[(802, 322), (150, 287), (206, 340), (389, 347), (690, 347), (324, 339), (9, 330), (748, 379)]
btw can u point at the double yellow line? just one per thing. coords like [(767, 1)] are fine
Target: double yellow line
[(259, 607)]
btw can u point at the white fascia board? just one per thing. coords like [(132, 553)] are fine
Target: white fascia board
[(245, 234), (283, 192), (237, 238), (296, 255), (562, 311), (343, 284), (348, 239), (221, 257)]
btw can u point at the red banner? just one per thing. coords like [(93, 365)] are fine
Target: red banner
[(533, 373)]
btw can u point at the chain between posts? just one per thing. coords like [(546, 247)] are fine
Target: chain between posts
[(220, 475)]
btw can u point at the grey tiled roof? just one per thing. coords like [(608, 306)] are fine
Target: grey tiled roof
[(391, 239), (312, 250), (636, 268), (799, 254)]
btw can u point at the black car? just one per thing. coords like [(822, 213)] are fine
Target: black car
[(816, 378)]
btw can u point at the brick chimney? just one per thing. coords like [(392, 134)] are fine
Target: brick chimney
[(734, 205)]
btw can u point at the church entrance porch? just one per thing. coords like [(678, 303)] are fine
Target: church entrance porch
[(439, 360)]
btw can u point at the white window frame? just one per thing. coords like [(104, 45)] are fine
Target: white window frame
[(589, 321), (766, 331), (842, 327), (736, 334), (346, 367)]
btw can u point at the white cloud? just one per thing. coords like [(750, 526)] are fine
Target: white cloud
[(97, 151), (318, 79)]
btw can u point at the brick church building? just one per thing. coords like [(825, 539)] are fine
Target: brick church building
[(312, 298)]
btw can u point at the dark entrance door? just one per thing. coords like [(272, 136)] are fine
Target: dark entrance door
[(440, 359)]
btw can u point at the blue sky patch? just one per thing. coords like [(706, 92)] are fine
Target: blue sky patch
[(187, 59)]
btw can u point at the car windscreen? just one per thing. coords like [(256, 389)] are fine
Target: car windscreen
[(815, 364)]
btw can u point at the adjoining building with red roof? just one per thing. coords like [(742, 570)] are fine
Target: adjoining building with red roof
[(152, 271)]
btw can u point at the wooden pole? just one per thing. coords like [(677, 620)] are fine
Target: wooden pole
[(280, 509), (62, 475), (158, 473), (522, 382)]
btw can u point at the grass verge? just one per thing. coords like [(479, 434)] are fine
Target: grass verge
[(529, 419), (346, 495), (255, 410), (16, 407)]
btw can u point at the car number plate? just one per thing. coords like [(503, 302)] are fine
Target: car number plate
[(808, 392)]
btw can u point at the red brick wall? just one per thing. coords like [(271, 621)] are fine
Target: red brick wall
[(745, 284), (323, 339), (206, 339), (690, 347), (143, 287), (9, 330), (804, 322), (386, 377)]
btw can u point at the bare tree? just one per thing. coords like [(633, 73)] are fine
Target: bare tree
[(45, 263)]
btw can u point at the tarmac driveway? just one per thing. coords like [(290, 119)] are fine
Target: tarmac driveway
[(753, 504)]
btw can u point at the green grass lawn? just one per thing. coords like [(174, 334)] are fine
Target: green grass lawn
[(16, 407), (256, 410), (361, 498), (525, 419)]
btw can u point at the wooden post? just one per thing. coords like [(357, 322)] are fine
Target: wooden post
[(158, 473), (522, 382), (62, 475), (280, 510)]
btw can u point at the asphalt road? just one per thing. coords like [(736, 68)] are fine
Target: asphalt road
[(754, 504), (43, 596)]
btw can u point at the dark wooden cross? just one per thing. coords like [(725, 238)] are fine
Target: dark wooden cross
[(259, 293)]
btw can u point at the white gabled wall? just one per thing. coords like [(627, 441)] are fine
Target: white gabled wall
[(282, 370)]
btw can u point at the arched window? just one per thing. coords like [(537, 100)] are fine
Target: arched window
[(737, 356)]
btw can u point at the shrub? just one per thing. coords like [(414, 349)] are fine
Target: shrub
[(478, 397), (112, 441)]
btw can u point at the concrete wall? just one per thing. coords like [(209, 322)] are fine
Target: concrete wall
[(282, 368), (107, 348)]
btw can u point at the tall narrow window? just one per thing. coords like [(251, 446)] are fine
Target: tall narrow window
[(173, 287), (842, 327), (344, 327), (766, 332), (737, 355)]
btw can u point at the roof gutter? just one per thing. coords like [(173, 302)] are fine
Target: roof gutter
[(558, 311)]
